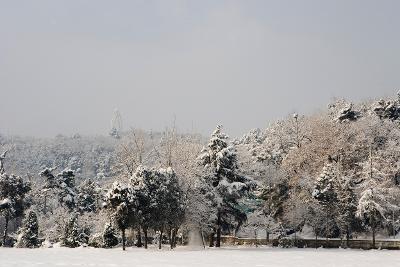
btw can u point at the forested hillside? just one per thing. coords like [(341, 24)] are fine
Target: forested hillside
[(335, 171)]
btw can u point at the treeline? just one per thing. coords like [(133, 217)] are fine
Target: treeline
[(336, 172), (197, 188)]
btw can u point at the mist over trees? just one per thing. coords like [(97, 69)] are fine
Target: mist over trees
[(335, 172)]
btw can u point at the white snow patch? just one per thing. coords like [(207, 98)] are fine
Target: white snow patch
[(228, 256)]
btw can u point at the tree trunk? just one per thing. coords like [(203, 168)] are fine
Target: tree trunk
[(347, 237), (5, 230), (373, 226), (255, 236), (316, 240), (160, 239), (267, 235), (373, 238), (211, 240), (202, 239), (145, 237), (139, 241), (171, 238), (174, 232), (123, 239), (218, 243)]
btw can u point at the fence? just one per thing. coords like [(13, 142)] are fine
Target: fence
[(313, 243)]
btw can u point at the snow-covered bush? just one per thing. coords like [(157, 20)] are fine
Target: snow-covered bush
[(286, 242), (109, 236), (75, 235)]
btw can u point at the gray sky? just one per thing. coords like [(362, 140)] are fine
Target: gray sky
[(65, 65)]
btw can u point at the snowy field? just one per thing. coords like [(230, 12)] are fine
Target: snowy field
[(231, 257)]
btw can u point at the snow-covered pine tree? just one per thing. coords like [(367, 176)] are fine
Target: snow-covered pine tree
[(87, 197), (175, 202), (48, 190), (63, 185), (50, 180), (12, 193), (143, 194), (67, 192), (347, 114), (29, 234), (110, 238), (120, 201), (71, 234), (371, 211), (325, 192), (347, 219), (160, 200), (324, 187), (389, 109), (222, 175)]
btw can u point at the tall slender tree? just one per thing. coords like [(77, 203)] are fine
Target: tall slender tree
[(221, 174)]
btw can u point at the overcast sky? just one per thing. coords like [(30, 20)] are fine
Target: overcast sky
[(66, 65)]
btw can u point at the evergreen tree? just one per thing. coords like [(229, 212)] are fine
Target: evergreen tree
[(84, 235), (388, 109), (48, 189), (324, 187), (221, 174), (28, 236), (71, 234), (120, 201), (173, 200), (50, 179), (348, 114), (143, 192), (325, 192), (347, 210), (67, 192), (87, 197), (110, 238), (371, 212), (63, 185), (160, 200), (12, 193)]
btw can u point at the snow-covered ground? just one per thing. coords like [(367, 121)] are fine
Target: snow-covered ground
[(186, 257)]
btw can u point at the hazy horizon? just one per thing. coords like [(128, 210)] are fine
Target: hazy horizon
[(66, 65)]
